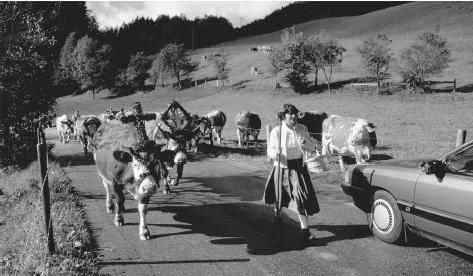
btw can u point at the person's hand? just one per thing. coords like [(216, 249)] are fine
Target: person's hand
[(301, 140)]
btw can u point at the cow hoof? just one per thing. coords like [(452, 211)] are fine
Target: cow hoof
[(175, 182), (145, 235), (119, 222), (166, 190), (111, 208)]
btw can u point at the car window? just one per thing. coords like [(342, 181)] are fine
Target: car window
[(462, 162)]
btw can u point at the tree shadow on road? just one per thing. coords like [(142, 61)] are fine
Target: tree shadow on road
[(74, 160)]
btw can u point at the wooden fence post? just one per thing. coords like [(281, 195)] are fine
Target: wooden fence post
[(461, 136), (268, 132), (41, 150)]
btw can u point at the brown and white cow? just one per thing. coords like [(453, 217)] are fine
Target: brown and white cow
[(86, 127), (348, 135), (64, 128), (217, 120), (247, 124), (124, 159)]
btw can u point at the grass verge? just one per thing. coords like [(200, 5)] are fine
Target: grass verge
[(22, 237)]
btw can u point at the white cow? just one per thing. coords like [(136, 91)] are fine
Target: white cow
[(348, 135), (64, 128), (253, 71)]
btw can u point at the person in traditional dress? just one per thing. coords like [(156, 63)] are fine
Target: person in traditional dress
[(297, 192)]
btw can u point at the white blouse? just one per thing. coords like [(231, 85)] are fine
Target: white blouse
[(290, 147)]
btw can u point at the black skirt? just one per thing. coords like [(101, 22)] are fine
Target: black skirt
[(296, 187)]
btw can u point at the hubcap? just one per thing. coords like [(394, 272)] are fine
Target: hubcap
[(383, 216)]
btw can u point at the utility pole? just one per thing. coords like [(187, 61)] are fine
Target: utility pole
[(241, 21)]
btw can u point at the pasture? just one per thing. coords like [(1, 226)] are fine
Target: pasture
[(408, 124)]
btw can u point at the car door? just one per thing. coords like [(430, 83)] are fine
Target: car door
[(444, 206)]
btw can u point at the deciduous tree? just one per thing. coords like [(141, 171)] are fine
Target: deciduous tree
[(376, 57), (177, 62), (428, 56)]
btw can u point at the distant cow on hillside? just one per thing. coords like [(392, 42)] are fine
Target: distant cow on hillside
[(253, 49), (253, 71)]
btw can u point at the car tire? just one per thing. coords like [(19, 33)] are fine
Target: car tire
[(385, 219)]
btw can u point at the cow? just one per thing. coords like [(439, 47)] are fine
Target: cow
[(64, 128), (86, 127), (113, 114), (247, 124), (313, 120), (346, 134), (124, 159), (217, 121), (74, 118), (176, 128), (253, 49), (253, 71)]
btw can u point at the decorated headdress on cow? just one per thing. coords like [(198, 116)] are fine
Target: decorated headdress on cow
[(138, 118), (287, 109)]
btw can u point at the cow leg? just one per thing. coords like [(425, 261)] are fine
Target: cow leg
[(239, 138), (84, 146), (166, 188), (118, 189), (358, 155), (108, 201), (179, 170), (219, 137), (342, 165), (143, 231)]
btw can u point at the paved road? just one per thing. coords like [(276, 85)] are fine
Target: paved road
[(214, 224)]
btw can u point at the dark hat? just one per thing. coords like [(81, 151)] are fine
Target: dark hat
[(136, 107), (287, 109)]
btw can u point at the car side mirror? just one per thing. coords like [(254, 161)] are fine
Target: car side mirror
[(433, 167)]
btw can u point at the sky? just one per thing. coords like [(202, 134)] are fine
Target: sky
[(115, 13)]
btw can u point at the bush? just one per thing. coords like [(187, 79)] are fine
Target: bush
[(428, 56)]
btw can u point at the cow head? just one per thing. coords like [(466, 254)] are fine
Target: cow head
[(200, 125), (144, 163), (177, 142), (360, 133), (242, 118)]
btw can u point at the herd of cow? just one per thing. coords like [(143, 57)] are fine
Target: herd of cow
[(134, 150)]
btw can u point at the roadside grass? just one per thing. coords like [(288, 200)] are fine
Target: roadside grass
[(22, 235)]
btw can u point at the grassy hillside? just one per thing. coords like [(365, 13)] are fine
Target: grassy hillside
[(407, 124), (402, 23)]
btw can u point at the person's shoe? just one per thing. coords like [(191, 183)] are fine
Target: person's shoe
[(307, 236)]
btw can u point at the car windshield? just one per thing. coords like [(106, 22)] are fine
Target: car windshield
[(462, 162)]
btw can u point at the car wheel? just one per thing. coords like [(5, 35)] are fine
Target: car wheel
[(385, 219)]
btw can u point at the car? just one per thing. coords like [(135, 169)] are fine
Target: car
[(431, 197)]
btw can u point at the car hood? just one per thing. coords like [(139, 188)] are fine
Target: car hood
[(404, 162)]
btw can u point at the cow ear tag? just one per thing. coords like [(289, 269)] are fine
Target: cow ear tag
[(123, 157)]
